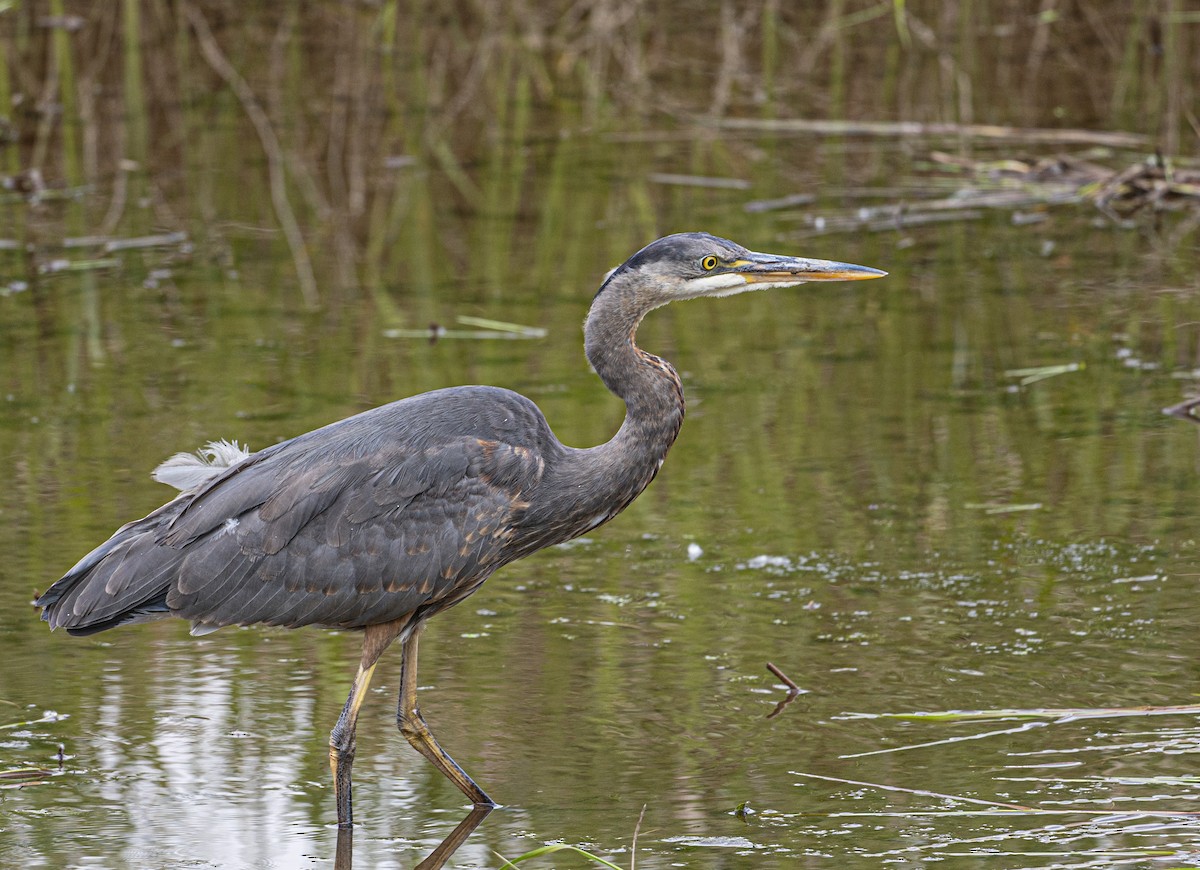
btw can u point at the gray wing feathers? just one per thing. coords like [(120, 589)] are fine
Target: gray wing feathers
[(343, 526), (345, 546)]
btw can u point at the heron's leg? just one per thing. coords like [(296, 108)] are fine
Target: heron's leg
[(342, 740), (416, 732), (342, 743)]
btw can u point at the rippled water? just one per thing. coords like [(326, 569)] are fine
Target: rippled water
[(865, 494)]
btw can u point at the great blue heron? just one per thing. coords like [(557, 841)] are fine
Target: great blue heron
[(380, 520)]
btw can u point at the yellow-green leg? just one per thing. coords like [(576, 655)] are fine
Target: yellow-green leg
[(416, 732), (342, 740)]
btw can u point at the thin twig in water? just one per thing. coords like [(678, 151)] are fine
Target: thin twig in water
[(1120, 814), (916, 791), (784, 678), (1037, 719), (48, 716), (961, 738), (1055, 714), (633, 844), (793, 690), (1004, 836)]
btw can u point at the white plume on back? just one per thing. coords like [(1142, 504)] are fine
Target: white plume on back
[(189, 471)]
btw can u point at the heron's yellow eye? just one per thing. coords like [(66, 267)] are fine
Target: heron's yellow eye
[(708, 263)]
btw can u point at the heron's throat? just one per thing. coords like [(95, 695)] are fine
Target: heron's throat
[(648, 385)]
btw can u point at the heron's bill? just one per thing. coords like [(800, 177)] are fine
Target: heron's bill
[(815, 270)]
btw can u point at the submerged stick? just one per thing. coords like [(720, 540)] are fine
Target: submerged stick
[(784, 678), (1035, 719), (917, 791), (794, 690), (1054, 714), (961, 738), (633, 843)]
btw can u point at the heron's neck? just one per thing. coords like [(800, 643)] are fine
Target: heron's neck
[(649, 386), (588, 487)]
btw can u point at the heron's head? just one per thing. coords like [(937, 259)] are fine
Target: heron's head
[(690, 265)]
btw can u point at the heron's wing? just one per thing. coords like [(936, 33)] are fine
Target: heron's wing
[(348, 541), (403, 508)]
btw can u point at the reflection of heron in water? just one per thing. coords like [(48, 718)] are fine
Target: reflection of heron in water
[(381, 520)]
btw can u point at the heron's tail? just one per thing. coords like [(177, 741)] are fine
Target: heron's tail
[(124, 580)]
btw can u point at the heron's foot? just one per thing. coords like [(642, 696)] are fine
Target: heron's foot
[(416, 732)]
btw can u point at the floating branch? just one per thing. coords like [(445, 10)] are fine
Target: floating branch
[(908, 129), (792, 201), (490, 329), (53, 267), (158, 241), (1065, 714), (992, 507), (108, 244), (23, 777), (48, 716), (698, 181)]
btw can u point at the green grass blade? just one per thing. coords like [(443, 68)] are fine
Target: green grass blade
[(557, 847)]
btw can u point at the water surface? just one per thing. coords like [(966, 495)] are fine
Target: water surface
[(862, 494)]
